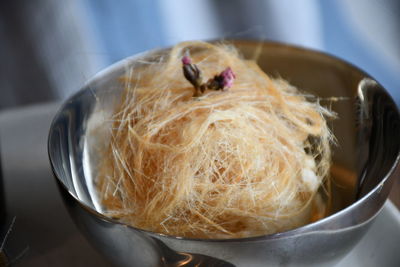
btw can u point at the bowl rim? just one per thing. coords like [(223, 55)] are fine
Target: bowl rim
[(305, 229)]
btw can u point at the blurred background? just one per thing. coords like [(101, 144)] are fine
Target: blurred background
[(49, 48)]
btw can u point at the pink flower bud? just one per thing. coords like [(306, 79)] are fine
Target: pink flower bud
[(228, 77), (186, 60)]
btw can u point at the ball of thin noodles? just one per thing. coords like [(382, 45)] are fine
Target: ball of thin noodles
[(233, 163)]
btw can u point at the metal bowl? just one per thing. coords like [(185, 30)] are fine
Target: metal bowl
[(364, 163)]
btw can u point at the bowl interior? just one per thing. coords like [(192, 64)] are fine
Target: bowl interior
[(366, 130)]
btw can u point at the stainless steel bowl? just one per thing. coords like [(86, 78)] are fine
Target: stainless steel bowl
[(365, 160)]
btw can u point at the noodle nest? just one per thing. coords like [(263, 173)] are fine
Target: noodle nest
[(246, 161)]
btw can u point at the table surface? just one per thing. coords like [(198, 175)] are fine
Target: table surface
[(44, 234)]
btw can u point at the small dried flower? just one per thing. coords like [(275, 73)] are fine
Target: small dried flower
[(186, 60), (193, 75), (220, 82), (228, 77)]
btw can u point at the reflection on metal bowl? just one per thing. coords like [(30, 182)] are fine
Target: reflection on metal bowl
[(364, 163)]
